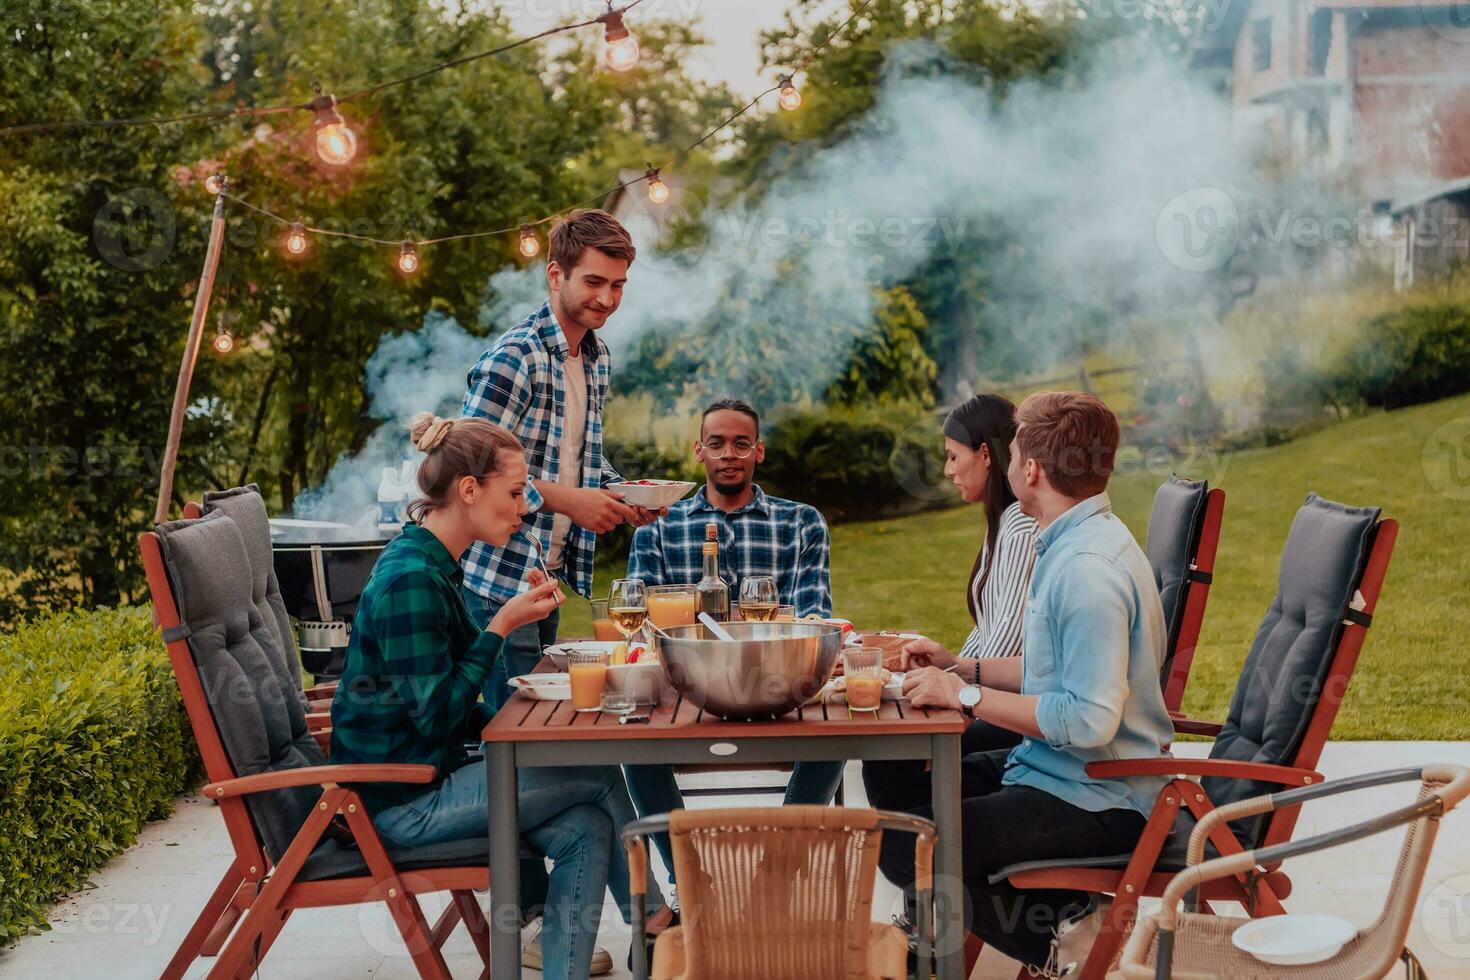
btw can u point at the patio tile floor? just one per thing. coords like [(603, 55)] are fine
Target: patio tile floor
[(128, 925)]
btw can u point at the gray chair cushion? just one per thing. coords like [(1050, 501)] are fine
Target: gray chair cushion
[(209, 570), (245, 506), (1171, 857), (1282, 679), (333, 859), (1174, 528)]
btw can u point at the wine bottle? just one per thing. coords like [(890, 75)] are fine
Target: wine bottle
[(712, 595)]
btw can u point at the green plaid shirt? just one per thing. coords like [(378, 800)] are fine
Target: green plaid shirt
[(415, 665)]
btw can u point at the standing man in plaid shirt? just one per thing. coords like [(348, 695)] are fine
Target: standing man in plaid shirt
[(546, 381), (759, 535)]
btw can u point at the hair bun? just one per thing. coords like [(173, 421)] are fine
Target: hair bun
[(428, 430)]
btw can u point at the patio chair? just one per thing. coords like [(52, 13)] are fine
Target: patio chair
[(1293, 681), (778, 892), (1183, 532), (1192, 946), (300, 834)]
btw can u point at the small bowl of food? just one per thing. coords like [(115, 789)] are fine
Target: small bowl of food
[(642, 678), (652, 494), (558, 652)]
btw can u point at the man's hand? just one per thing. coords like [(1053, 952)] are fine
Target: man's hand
[(642, 515), (925, 652), (599, 511), (930, 687)]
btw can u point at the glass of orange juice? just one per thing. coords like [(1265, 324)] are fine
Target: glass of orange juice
[(863, 669), (588, 672), (603, 628), (670, 605), (785, 614)]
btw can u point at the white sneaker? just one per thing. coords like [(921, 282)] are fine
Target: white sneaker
[(1074, 938), (602, 963)]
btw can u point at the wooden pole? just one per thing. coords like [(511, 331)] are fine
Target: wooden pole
[(191, 354)]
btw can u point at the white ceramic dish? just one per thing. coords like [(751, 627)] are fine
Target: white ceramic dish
[(1294, 940), (645, 680), (558, 652), (653, 494), (544, 687)]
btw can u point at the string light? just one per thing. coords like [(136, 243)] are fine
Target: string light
[(621, 53), (296, 239), (224, 342), (790, 98), (658, 191), (530, 244), (408, 259), (215, 183), (336, 143)]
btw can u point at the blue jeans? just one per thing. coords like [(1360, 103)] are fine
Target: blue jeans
[(572, 815), (522, 650), (655, 791)]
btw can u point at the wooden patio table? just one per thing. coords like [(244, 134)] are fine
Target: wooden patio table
[(528, 732)]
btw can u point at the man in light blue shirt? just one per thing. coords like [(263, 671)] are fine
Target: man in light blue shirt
[(1085, 688)]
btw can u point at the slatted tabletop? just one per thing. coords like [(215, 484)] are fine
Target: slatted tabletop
[(527, 719)]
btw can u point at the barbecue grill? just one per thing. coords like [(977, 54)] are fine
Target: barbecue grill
[(322, 568)]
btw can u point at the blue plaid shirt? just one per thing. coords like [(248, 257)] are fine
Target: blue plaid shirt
[(519, 384), (768, 536)]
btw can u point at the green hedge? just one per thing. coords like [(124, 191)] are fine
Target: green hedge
[(1408, 357), (94, 743)]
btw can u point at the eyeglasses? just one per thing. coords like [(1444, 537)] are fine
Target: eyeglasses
[(740, 448)]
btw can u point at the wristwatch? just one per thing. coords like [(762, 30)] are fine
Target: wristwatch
[(970, 696)]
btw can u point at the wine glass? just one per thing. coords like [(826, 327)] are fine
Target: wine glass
[(627, 605), (759, 599)]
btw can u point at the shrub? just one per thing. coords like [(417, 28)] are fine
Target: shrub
[(94, 742), (857, 463), (1416, 354)]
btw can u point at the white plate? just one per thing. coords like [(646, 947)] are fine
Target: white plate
[(544, 687), (655, 494), (558, 651), (1294, 940)]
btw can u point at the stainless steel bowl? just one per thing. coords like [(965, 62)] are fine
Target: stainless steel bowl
[(765, 671)]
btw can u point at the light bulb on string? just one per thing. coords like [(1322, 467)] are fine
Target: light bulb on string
[(296, 239), (224, 342), (621, 53), (408, 259), (215, 184), (336, 143), (530, 245), (790, 98), (658, 191)]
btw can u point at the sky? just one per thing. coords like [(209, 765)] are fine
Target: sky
[(733, 27)]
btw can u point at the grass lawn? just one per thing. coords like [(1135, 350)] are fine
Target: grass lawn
[(1411, 682)]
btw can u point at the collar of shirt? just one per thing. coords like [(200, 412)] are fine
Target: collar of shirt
[(433, 549), (548, 328), (1076, 514), (757, 503)]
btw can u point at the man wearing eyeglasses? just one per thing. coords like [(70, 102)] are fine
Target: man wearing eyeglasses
[(759, 535)]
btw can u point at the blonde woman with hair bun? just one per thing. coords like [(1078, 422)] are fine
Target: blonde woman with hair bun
[(416, 664)]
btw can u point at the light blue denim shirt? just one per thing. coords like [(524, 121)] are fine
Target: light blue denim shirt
[(1092, 646)]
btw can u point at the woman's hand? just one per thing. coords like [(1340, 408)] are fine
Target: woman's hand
[(925, 652), (530, 606)]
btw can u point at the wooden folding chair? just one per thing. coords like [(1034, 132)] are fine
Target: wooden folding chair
[(300, 833), (1183, 533), (1293, 682)]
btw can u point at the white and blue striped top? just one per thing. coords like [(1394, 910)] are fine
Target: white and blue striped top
[(1003, 600)]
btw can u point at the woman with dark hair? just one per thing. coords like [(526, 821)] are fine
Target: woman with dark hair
[(977, 450)]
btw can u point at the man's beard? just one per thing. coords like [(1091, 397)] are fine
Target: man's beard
[(731, 489)]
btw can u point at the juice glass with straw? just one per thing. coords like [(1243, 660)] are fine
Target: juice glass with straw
[(863, 669), (588, 672)]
